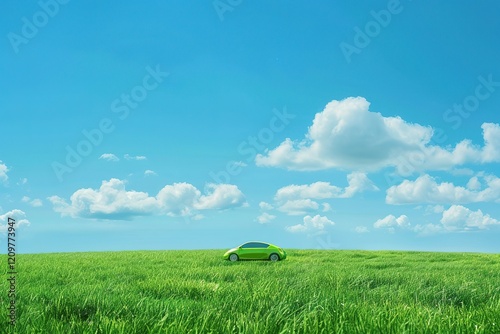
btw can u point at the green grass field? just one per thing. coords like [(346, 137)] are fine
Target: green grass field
[(310, 292)]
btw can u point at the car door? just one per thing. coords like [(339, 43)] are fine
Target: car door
[(261, 252), (247, 251)]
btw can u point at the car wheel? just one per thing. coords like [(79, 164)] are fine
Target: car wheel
[(233, 257), (274, 257)]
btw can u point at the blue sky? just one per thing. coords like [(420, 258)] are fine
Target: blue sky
[(168, 125)]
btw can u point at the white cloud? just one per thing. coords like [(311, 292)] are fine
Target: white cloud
[(35, 203), (458, 217), (178, 199), (298, 206), (425, 189), (109, 157), (3, 172), (265, 218), (491, 135), (113, 201), (265, 206), (317, 190), (221, 196), (311, 224), (137, 157), (22, 181), (361, 229), (150, 172), (434, 209), (461, 172), (326, 207), (428, 229), (296, 228), (110, 201), (18, 215), (391, 221), (346, 135), (299, 199), (474, 183), (357, 182)]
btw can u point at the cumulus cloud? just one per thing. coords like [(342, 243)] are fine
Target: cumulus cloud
[(458, 218), (434, 209), (298, 206), (109, 157), (299, 199), (265, 206), (425, 189), (265, 217), (113, 201), (358, 182), (428, 229), (346, 135), (317, 190), (361, 229), (110, 201), (314, 224), (137, 157), (221, 196), (18, 215), (392, 222), (178, 199), (474, 183), (461, 172), (3, 172), (150, 172), (326, 207), (35, 202)]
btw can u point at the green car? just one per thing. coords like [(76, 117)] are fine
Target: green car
[(255, 250)]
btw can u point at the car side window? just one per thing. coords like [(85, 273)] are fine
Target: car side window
[(254, 245)]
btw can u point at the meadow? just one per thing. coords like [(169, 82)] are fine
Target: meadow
[(312, 291)]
